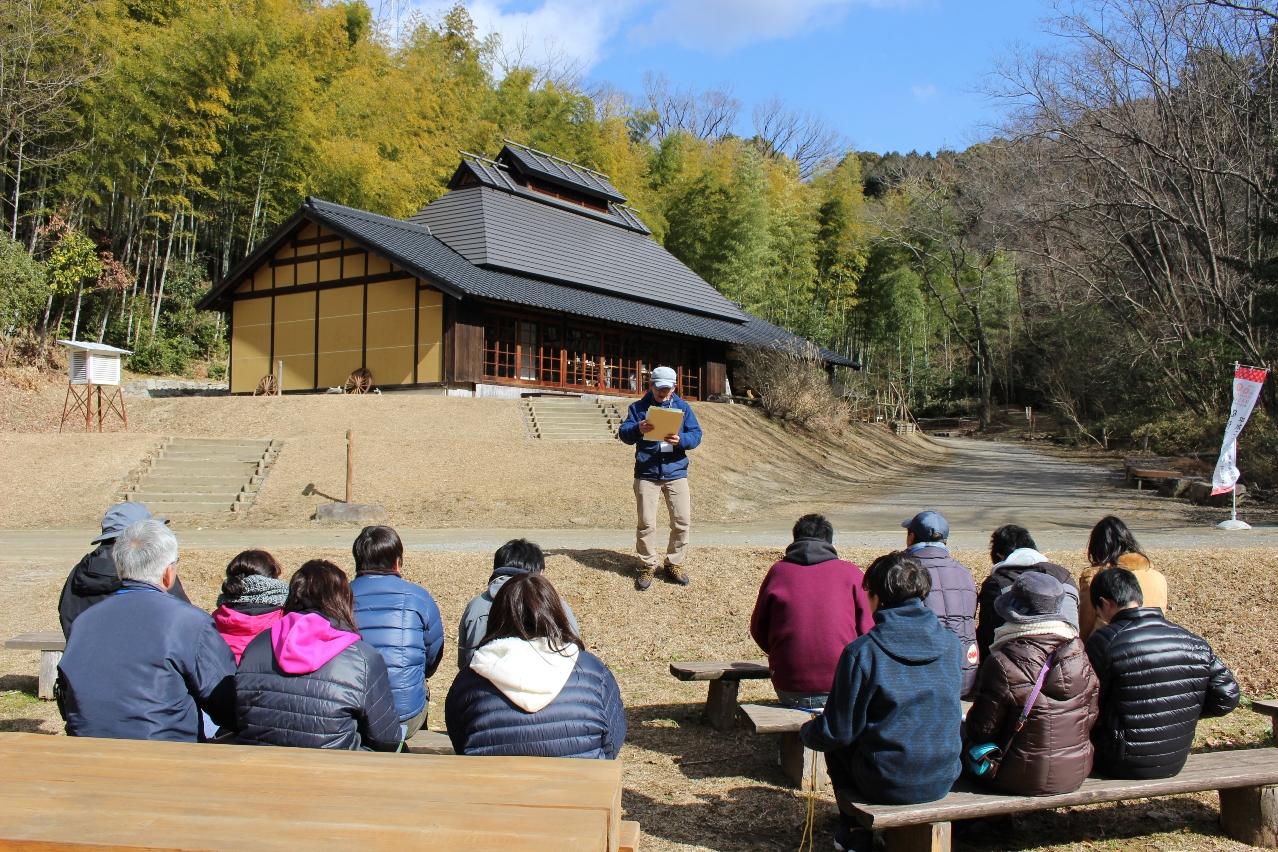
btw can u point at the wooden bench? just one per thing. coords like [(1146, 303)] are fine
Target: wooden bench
[(1270, 709), (1245, 779), (803, 766), (725, 678), (75, 791), (50, 644), (429, 742), (1154, 476)]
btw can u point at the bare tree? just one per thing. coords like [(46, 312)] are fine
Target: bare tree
[(802, 136), (710, 114)]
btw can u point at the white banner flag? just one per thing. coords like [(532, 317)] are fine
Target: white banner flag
[(1247, 384)]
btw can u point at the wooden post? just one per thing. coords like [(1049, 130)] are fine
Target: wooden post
[(919, 838), (802, 765), (1250, 815), (350, 462), (721, 704), (99, 408), (48, 673), (279, 378), (88, 406)]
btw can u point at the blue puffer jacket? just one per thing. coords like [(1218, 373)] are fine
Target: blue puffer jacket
[(650, 462), (519, 698), (400, 619)]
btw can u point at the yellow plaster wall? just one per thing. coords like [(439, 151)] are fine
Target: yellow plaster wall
[(250, 343), (390, 331), (341, 332), (430, 336), (295, 339)]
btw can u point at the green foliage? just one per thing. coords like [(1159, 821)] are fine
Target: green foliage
[(23, 287)]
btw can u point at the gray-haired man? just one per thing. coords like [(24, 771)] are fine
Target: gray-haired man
[(141, 665)]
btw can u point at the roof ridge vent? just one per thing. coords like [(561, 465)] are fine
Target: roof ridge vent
[(550, 156)]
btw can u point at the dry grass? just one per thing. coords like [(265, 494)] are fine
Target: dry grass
[(693, 788), (431, 461)]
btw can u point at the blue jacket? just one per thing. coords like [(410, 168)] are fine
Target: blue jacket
[(140, 665), (650, 462), (400, 619), (586, 719), (891, 724)]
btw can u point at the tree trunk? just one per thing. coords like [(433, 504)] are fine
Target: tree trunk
[(75, 322)]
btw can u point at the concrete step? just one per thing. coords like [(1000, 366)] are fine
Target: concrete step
[(222, 442), (193, 507), (229, 467), (218, 458), (169, 479), (188, 487)]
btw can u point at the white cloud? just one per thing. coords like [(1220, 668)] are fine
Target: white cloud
[(723, 26), (552, 33), (923, 91)]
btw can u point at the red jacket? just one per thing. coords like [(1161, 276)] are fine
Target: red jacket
[(810, 607)]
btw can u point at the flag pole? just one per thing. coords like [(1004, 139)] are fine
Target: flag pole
[(1233, 523)]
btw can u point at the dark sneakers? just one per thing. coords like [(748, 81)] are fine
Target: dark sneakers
[(644, 579), (674, 574)]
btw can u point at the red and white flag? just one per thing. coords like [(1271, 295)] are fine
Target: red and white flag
[(1247, 384)]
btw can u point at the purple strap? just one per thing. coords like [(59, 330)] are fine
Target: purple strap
[(1029, 702)]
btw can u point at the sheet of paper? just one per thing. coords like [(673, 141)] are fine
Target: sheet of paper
[(665, 421)]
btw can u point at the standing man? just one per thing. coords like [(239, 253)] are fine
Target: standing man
[(661, 470), (953, 594)]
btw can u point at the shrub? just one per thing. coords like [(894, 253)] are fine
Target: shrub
[(792, 385)]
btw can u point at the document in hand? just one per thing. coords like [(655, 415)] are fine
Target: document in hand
[(665, 421)]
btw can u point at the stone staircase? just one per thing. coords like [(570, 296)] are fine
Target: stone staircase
[(571, 418), (194, 476)]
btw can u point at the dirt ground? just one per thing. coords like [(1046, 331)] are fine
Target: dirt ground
[(692, 788), (431, 461)]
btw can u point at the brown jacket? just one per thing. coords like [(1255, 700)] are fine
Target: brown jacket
[(1053, 752), (1153, 587)]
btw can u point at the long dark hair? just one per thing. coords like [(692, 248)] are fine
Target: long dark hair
[(1110, 539), (528, 607), (246, 564), (322, 587)]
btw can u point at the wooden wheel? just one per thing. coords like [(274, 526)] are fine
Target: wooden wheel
[(265, 387), (360, 381)]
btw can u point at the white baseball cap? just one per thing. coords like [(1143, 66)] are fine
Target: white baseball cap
[(663, 377)]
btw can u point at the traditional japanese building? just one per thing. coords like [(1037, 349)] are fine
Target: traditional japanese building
[(530, 273)]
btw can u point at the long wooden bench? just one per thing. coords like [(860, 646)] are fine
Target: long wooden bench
[(1246, 781), (50, 644), (803, 766), (725, 678), (71, 791)]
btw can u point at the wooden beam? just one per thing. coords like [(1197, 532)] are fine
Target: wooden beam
[(324, 255), (315, 241), (327, 285)]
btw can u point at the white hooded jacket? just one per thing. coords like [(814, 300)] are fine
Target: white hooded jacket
[(530, 673)]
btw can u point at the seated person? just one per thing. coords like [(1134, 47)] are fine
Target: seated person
[(1013, 552), (398, 618), (515, 557), (310, 681), (1156, 680), (810, 607), (1112, 545), (890, 728), (953, 595), (531, 687), (1052, 753), (252, 599), (141, 664), (93, 578)]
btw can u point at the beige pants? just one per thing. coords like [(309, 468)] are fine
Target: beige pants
[(678, 504)]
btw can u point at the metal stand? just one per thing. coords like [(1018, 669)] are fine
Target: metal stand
[(1233, 523), (76, 403)]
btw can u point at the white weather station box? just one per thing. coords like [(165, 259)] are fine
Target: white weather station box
[(93, 363)]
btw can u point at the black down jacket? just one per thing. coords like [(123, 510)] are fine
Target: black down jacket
[(586, 718), (345, 703), (1156, 680), (93, 579)]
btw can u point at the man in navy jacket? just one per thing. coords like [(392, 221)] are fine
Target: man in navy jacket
[(141, 664), (661, 471), (398, 618)]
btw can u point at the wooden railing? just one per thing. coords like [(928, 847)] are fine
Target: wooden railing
[(564, 369)]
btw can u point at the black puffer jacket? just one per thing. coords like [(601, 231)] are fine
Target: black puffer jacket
[(308, 683), (1156, 680), (92, 579)]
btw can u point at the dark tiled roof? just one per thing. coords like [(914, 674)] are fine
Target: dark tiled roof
[(501, 230), (497, 176), (413, 248), (539, 164)]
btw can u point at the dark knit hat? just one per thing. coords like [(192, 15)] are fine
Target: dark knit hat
[(1034, 597)]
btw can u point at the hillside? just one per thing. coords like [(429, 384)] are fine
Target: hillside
[(432, 461)]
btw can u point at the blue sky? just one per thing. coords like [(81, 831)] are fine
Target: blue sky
[(887, 74)]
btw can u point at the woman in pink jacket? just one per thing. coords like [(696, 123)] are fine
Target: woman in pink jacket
[(252, 599)]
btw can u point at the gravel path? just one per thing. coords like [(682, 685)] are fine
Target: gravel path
[(981, 485)]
